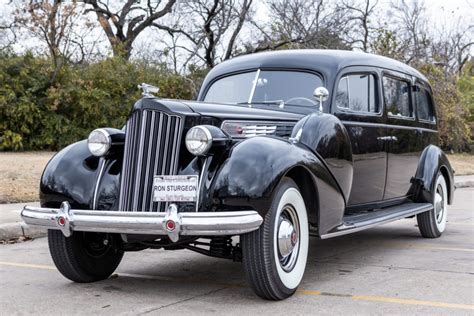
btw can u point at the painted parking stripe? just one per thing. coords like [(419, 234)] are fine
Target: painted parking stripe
[(367, 298), (27, 265), (426, 247)]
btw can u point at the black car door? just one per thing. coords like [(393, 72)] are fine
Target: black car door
[(357, 102), (403, 136)]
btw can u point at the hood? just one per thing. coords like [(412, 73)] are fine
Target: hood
[(243, 111), (226, 111)]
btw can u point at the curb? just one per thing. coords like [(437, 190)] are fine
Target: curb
[(13, 231), (464, 184)]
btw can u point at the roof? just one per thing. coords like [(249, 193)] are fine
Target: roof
[(327, 62)]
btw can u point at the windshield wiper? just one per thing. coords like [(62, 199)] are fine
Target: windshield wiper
[(280, 103)]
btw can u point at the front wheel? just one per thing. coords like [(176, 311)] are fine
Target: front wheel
[(274, 256), (85, 257), (433, 223)]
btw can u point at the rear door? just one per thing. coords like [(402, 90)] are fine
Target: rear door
[(357, 102), (425, 115), (403, 137)]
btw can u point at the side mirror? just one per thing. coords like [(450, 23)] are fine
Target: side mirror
[(321, 94)]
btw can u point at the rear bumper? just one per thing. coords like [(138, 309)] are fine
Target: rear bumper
[(170, 223)]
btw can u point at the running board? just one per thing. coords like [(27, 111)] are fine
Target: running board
[(360, 221)]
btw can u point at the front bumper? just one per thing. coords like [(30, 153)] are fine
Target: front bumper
[(170, 223)]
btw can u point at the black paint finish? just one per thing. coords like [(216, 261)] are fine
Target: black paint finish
[(70, 176), (256, 166), (432, 161), (342, 161), (326, 136)]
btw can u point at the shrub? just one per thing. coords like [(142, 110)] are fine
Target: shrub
[(452, 109), (36, 113)]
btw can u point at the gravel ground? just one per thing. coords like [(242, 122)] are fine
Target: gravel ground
[(21, 172), (462, 163)]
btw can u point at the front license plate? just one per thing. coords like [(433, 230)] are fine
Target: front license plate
[(175, 188)]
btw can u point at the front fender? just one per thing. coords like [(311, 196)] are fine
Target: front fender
[(70, 176), (249, 176), (326, 136), (432, 160)]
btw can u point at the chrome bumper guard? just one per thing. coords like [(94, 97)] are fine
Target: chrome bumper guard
[(170, 223)]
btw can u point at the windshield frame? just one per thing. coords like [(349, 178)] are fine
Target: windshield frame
[(257, 71)]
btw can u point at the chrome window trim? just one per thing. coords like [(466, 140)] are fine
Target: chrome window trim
[(254, 87)]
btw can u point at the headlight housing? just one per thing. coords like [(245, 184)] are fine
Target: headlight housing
[(99, 142), (199, 140)]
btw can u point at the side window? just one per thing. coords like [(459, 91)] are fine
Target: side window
[(357, 93), (424, 105), (397, 97)]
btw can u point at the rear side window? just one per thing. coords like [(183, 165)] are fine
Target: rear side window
[(424, 104), (357, 93), (397, 97)]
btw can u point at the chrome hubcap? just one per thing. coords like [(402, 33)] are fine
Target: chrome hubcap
[(288, 238), (439, 204)]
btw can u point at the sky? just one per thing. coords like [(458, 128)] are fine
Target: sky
[(444, 13)]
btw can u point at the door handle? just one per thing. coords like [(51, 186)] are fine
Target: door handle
[(388, 138)]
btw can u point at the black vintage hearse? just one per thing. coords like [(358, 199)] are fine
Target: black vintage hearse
[(278, 147)]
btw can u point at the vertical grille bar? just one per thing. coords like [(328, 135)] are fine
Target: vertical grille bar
[(152, 146)]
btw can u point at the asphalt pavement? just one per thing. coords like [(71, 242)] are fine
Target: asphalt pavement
[(389, 269)]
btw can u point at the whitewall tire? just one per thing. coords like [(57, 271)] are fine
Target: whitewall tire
[(275, 255), (433, 223)]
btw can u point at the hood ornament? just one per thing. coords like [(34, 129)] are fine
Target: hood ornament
[(148, 90)]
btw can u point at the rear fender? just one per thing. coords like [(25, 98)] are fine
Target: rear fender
[(432, 161)]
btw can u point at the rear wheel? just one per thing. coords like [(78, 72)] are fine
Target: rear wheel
[(274, 256), (85, 257), (433, 223)]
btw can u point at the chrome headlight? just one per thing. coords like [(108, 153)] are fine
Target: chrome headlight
[(199, 140), (99, 142)]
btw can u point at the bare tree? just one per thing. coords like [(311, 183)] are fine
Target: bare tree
[(7, 34), (452, 48), (411, 23), (122, 25), (360, 14), (60, 26), (302, 24), (208, 30)]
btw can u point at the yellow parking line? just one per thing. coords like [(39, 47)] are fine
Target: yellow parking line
[(367, 298), (444, 248), (426, 247), (410, 302), (27, 265)]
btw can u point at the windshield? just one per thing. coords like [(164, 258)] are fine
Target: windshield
[(265, 87)]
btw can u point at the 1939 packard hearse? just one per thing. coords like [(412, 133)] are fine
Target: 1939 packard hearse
[(278, 147)]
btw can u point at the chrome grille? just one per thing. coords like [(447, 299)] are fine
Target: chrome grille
[(151, 148), (249, 129), (281, 130)]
